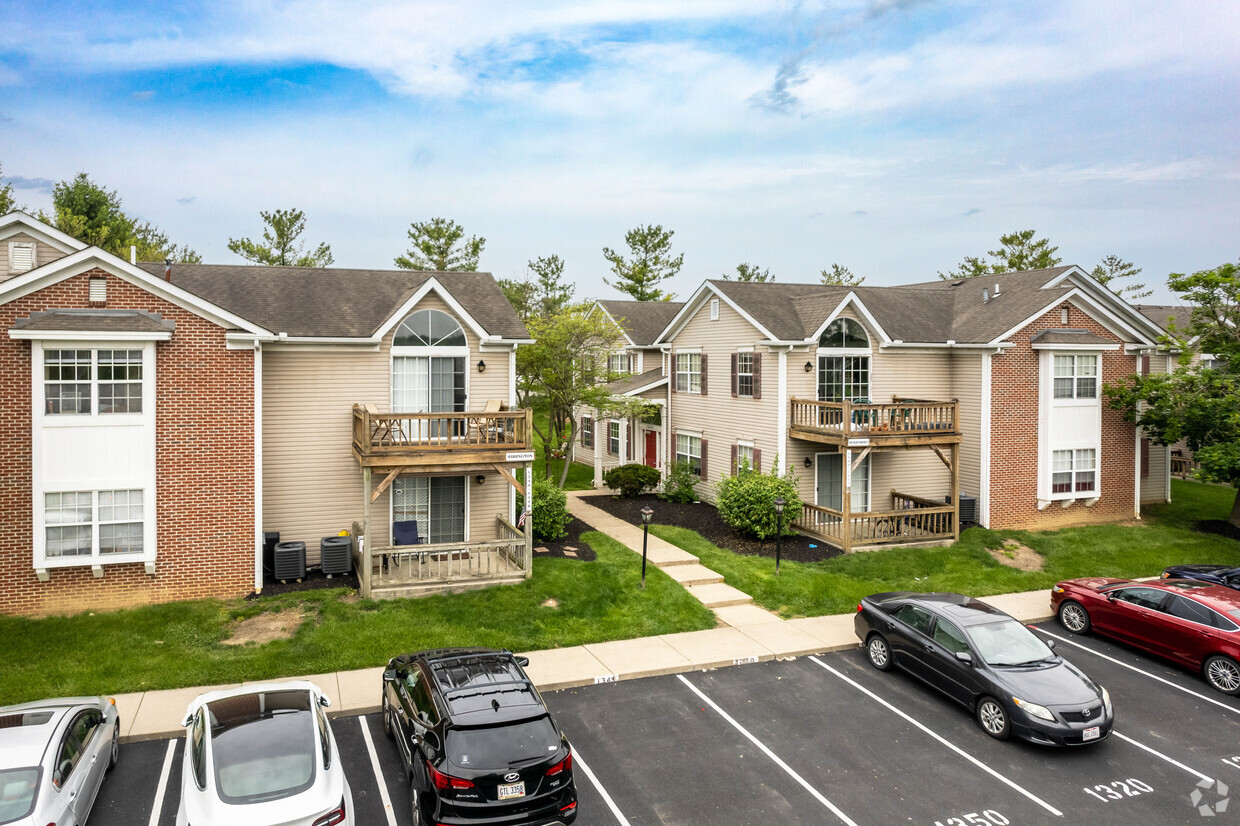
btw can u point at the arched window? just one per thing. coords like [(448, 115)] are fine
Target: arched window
[(429, 328), (844, 333)]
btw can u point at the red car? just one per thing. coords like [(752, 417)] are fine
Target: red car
[(1193, 623)]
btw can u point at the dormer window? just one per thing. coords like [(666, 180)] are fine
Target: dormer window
[(22, 256), (844, 333)]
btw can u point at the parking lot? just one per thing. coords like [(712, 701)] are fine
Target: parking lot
[(823, 739)]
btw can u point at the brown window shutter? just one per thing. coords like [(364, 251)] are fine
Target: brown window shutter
[(757, 460), (672, 359), (704, 445), (734, 359), (703, 374), (1145, 456), (733, 449), (1145, 365), (757, 382), (671, 434)]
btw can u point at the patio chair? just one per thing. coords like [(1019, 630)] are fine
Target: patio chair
[(405, 532)]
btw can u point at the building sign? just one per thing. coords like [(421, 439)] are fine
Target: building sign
[(858, 442), (523, 456)]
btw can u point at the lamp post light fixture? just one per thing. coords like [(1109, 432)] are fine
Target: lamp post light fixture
[(779, 528), (647, 512)]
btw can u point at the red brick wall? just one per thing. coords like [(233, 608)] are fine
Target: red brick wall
[(204, 446), (1014, 436)]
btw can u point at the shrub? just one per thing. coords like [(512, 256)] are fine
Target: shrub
[(746, 502), (678, 487), (550, 514), (631, 480)]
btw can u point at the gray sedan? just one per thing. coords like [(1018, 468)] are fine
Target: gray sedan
[(53, 756)]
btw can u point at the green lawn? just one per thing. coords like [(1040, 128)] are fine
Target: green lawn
[(178, 644), (835, 585)]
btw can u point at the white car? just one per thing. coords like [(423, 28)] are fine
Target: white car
[(53, 756), (262, 755)]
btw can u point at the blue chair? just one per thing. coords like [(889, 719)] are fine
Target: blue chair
[(405, 532)]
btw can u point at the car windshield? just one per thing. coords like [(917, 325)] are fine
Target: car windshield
[(503, 747), (1007, 642), (263, 746), (17, 793)]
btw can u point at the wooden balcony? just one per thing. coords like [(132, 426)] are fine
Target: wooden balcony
[(912, 520), (903, 422), (439, 439)]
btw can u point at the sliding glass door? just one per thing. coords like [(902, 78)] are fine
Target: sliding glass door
[(437, 503), (430, 384)]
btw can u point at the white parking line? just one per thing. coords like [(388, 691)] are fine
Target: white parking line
[(845, 818), (157, 807), (1159, 754), (611, 804), (1232, 709), (951, 746), (374, 764)]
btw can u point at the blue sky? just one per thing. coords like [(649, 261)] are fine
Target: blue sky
[(894, 137)]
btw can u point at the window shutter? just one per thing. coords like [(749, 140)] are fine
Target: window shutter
[(734, 447), (672, 436), (1145, 365), (1145, 456), (703, 374), (672, 358), (757, 460), (757, 382), (735, 357), (704, 444)]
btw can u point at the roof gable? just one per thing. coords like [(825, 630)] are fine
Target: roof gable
[(20, 222), (641, 321)]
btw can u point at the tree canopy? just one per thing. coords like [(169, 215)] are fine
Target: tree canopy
[(439, 245), (1196, 403), (95, 215), (7, 202), (1018, 251), (842, 276), (1114, 269), (649, 263), (542, 291), (279, 247), (749, 272)]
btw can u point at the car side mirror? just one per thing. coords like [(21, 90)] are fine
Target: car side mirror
[(1110, 597), (188, 721), (389, 676), (429, 740), (522, 661), (325, 701), (964, 657), (1050, 643)]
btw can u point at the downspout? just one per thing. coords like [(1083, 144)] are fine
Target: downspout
[(781, 415), (1136, 457), (258, 467), (984, 439)]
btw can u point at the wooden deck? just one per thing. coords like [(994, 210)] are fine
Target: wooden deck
[(912, 520), (903, 423), (413, 439)]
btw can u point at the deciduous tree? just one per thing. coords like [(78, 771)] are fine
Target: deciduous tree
[(279, 247), (649, 263), (438, 247), (842, 276), (95, 215), (7, 202), (1114, 269)]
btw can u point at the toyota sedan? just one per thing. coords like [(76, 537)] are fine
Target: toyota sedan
[(1012, 681)]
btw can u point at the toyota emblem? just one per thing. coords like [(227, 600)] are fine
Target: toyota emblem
[(511, 777), (1086, 713)]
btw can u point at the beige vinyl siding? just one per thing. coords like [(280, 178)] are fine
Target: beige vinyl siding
[(1154, 485), (967, 389), (44, 253), (721, 419)]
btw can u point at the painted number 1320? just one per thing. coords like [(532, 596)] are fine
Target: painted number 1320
[(1119, 789), (987, 818)]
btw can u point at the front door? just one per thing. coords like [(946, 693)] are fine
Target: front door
[(829, 487), (652, 448)]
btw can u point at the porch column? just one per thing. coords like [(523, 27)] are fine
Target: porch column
[(364, 578), (598, 450), (529, 520), (846, 526), (956, 490)]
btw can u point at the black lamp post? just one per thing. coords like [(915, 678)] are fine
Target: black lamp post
[(779, 528), (646, 514)]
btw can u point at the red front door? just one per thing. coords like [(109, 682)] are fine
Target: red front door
[(652, 448)]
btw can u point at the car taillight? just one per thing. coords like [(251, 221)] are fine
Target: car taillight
[(1166, 575), (444, 781), (859, 607), (566, 763), (333, 817), (569, 807)]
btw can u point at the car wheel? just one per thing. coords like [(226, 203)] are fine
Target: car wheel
[(415, 809), (116, 744), (1074, 617), (993, 719), (388, 728), (1223, 674), (878, 652)]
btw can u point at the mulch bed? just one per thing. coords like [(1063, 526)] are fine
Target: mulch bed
[(1218, 526), (312, 581), (705, 520), (569, 546)]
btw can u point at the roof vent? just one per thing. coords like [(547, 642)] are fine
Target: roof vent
[(985, 295), (996, 289), (98, 290), (167, 269)]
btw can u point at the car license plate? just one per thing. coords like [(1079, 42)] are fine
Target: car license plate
[(511, 790), (1089, 734)]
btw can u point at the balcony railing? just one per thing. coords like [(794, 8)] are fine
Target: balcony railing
[(912, 519), (406, 435), (903, 421)]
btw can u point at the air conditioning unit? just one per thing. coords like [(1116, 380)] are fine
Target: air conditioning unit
[(336, 555), (270, 540), (290, 561), (968, 508)]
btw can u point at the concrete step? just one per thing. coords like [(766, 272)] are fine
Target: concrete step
[(694, 574), (719, 595)]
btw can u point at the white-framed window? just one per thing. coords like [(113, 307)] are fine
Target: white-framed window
[(618, 362), (79, 381), (744, 455), (744, 374), (1076, 376), (587, 431), (1074, 472), (613, 438), (430, 354), (89, 524), (23, 256), (689, 449), (689, 372), (714, 309)]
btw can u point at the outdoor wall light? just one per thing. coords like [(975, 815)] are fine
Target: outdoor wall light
[(809, 462), (480, 478), (482, 366), (809, 367)]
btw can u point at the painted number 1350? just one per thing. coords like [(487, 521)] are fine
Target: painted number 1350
[(987, 818)]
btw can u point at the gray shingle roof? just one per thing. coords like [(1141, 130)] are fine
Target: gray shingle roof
[(642, 320), (1068, 336), (336, 303), (1181, 314), (106, 321), (620, 387)]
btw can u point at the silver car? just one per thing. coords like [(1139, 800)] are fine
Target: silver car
[(262, 755), (53, 756)]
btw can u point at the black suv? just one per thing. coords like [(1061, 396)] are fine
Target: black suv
[(476, 740)]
